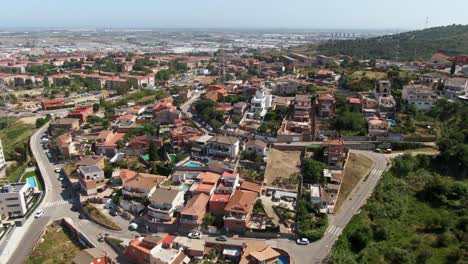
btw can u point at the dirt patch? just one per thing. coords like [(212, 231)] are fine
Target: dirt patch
[(282, 164), (31, 120), (205, 80), (358, 167)]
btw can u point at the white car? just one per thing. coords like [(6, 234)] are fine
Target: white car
[(57, 170), (39, 213), (302, 241), (195, 235)]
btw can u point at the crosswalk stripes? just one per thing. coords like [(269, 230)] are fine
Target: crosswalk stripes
[(81, 222), (335, 230), (58, 203)]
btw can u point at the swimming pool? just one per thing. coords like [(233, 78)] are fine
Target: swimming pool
[(193, 164), (391, 122), (32, 182), (283, 260)]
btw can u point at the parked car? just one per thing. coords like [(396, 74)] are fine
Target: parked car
[(81, 216), (302, 241), (60, 178), (39, 213), (57, 170), (221, 238), (74, 209), (195, 235), (113, 213), (133, 226), (387, 151)]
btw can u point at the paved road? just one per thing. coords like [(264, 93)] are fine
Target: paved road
[(56, 204)]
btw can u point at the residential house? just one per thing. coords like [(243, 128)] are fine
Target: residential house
[(81, 113), (65, 144), (163, 203), (251, 187), (455, 87), (239, 108), (125, 122), (238, 210), (136, 110), (260, 104), (218, 202), (419, 95), (256, 146), (192, 215), (92, 256), (326, 105), (139, 145), (167, 116), (335, 152), (215, 92), (139, 249), (207, 185), (181, 136), (163, 104), (302, 108), (378, 127), (64, 125), (223, 146), (163, 253), (91, 179), (229, 182), (267, 255), (141, 185), (15, 199), (106, 142), (92, 160)]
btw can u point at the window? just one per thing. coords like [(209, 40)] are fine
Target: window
[(12, 199)]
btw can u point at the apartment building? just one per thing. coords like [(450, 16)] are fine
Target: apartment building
[(15, 199), (302, 108), (91, 179), (419, 95), (223, 146)]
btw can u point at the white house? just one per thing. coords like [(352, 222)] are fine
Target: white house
[(164, 202), (260, 103), (421, 96)]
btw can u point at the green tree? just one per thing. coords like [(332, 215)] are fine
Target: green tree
[(152, 151), (313, 171), (96, 107)]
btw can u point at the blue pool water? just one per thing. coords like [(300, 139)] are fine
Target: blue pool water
[(32, 182), (283, 260), (193, 164), (391, 122)]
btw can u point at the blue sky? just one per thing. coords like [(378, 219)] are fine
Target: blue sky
[(335, 14)]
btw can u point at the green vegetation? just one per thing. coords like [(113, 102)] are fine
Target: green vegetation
[(207, 111), (251, 174), (311, 224), (57, 247), (313, 171), (349, 119), (272, 121), (98, 217), (15, 135), (15, 171), (415, 215), (414, 45)]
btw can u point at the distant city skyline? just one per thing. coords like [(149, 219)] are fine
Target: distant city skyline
[(253, 14)]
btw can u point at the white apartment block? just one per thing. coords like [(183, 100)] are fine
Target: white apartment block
[(15, 199)]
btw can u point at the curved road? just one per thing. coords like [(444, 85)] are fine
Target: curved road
[(57, 204)]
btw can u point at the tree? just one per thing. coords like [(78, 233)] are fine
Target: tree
[(96, 108), (359, 238), (208, 219), (313, 171), (453, 68), (152, 151)]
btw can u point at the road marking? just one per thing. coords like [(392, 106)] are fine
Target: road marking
[(335, 230), (58, 203)]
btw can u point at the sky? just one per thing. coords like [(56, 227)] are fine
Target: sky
[(302, 14)]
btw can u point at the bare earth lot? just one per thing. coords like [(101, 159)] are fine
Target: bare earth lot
[(282, 164), (358, 167)]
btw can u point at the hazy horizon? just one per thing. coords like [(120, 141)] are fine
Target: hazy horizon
[(241, 14)]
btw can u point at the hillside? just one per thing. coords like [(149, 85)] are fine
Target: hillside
[(413, 45)]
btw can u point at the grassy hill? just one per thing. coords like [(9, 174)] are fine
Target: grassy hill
[(413, 45)]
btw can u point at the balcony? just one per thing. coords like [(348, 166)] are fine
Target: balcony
[(233, 216), (133, 194)]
